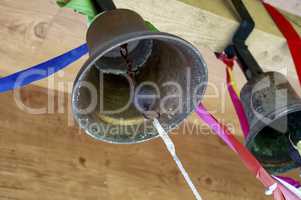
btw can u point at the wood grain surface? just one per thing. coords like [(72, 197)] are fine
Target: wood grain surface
[(291, 6), (42, 157), (35, 30), (45, 156)]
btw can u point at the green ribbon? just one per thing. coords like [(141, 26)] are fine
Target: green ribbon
[(86, 7), (151, 27)]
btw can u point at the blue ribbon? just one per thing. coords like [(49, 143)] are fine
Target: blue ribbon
[(41, 71)]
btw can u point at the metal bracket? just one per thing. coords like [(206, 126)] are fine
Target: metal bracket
[(248, 64), (104, 5)]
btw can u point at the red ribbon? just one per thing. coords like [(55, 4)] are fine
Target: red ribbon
[(291, 35)]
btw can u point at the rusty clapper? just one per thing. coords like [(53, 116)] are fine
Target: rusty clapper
[(272, 106), (125, 56)]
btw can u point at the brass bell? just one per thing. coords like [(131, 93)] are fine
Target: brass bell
[(134, 74)]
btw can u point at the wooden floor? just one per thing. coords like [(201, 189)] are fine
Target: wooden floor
[(46, 156)]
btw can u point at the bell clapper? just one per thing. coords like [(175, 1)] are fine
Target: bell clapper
[(151, 115), (172, 150)]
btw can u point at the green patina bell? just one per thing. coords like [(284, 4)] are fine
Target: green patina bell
[(273, 110), (271, 105)]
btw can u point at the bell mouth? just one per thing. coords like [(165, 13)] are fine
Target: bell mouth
[(161, 60), (271, 145)]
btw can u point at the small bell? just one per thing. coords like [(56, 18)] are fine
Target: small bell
[(272, 107), (274, 111)]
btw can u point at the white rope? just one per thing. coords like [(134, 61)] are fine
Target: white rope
[(171, 148), (291, 188), (271, 189)]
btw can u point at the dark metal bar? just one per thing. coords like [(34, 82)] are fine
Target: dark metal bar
[(103, 5), (247, 23), (248, 64)]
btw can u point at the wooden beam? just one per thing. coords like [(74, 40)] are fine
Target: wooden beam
[(263, 21), (42, 157), (31, 34), (290, 6), (35, 31)]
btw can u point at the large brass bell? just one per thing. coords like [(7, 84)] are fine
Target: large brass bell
[(134, 74)]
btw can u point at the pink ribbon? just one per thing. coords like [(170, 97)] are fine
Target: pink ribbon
[(234, 96), (280, 193)]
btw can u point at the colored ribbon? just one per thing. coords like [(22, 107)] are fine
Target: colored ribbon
[(292, 188), (47, 68), (291, 35), (280, 192), (41, 71), (84, 7), (290, 181), (151, 27), (234, 94)]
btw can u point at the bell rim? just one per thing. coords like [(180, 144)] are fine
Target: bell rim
[(282, 112)]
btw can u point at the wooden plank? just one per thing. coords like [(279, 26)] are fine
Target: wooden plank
[(42, 157), (29, 36), (38, 30), (291, 6), (261, 17)]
